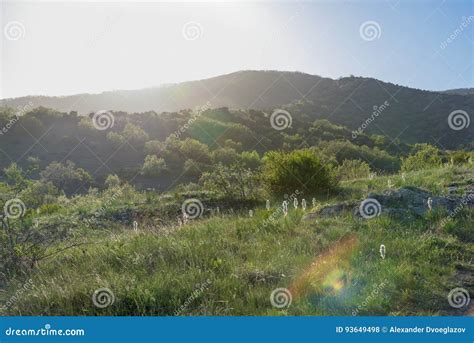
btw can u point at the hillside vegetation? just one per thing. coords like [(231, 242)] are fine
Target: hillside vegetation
[(411, 115), (229, 261)]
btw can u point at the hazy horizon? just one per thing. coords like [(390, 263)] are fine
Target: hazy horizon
[(214, 76), (67, 48)]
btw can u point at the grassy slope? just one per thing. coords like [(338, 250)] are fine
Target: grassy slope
[(331, 266)]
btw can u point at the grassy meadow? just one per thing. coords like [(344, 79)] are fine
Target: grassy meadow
[(229, 263)]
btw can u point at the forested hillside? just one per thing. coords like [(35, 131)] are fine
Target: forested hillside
[(412, 115)]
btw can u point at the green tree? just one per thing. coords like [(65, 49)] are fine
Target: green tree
[(153, 166), (226, 156), (196, 150), (154, 147), (232, 181), (14, 176), (66, 176), (134, 134), (250, 160)]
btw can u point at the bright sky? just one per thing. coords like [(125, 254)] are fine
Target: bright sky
[(63, 47)]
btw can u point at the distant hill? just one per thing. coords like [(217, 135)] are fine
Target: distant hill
[(412, 115), (460, 91)]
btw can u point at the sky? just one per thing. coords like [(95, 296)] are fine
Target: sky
[(64, 47)]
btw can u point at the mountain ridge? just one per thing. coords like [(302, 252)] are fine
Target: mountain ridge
[(411, 115)]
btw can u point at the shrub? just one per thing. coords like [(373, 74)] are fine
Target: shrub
[(345, 150), (461, 157), (297, 170), (112, 181), (352, 169), (426, 157)]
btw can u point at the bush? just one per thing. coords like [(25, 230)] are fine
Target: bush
[(460, 157), (345, 150), (352, 169), (426, 157), (298, 170), (112, 181)]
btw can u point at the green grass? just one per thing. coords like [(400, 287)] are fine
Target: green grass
[(331, 266)]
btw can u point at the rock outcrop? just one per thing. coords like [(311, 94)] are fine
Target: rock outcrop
[(406, 202)]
